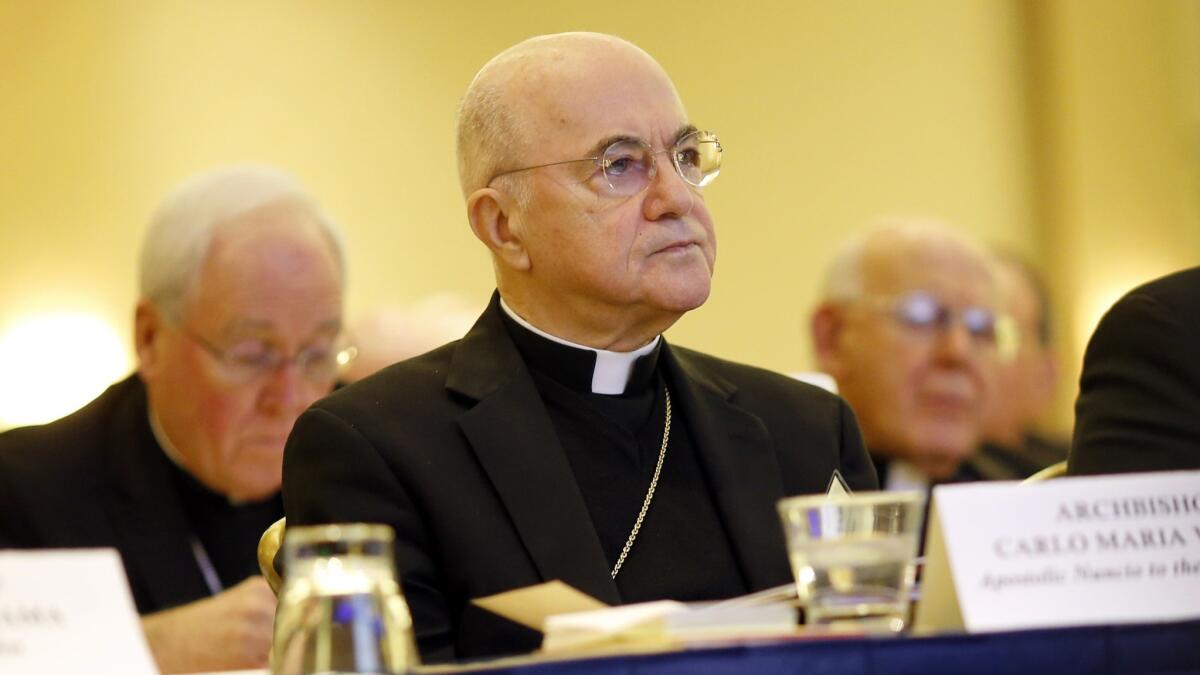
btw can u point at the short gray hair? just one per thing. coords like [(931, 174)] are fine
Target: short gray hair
[(844, 278), (487, 128), (493, 129), (182, 227)]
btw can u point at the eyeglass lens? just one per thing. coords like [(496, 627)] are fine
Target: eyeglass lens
[(630, 165), (316, 364), (921, 310), (249, 360)]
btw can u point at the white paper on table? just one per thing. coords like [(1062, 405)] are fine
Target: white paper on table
[(635, 622), (69, 612), (666, 622)]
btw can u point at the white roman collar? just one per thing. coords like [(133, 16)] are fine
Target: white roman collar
[(612, 368), (904, 476), (160, 435)]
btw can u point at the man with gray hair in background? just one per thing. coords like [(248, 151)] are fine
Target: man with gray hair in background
[(178, 466), (907, 328)]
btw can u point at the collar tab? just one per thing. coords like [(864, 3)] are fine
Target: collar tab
[(611, 371)]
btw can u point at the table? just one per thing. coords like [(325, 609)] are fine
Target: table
[(1144, 649)]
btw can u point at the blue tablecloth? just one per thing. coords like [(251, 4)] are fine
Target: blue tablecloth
[(1149, 649)]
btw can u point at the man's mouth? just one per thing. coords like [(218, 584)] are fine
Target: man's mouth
[(677, 247)]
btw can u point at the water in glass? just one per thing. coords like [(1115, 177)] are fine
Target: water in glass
[(340, 609), (852, 557)]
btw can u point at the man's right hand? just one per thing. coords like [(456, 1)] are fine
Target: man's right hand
[(229, 631)]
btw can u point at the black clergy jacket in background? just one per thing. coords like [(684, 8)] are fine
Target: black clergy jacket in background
[(98, 478), (457, 451)]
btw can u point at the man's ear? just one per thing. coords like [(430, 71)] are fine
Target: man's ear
[(496, 223), (148, 324), (828, 323)]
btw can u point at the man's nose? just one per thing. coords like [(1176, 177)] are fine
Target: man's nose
[(668, 195), (283, 388), (954, 342)]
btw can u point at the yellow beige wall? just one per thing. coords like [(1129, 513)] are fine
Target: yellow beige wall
[(831, 113), (1115, 100)]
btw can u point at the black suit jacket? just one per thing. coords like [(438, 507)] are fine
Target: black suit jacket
[(1139, 395), (456, 451), (97, 478), (992, 461)]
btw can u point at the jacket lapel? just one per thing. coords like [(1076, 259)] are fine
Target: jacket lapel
[(736, 452), (512, 435), (148, 519)]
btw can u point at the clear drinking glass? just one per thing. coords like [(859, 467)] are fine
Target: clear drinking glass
[(853, 556), (340, 608)]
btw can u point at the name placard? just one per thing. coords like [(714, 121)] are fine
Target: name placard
[(1066, 552), (68, 612)]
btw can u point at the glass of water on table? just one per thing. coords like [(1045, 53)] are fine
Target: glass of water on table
[(853, 557), (340, 608)]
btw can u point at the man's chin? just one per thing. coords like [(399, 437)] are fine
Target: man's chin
[(257, 474), (940, 470), (682, 295)]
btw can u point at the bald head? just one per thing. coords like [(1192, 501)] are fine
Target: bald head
[(896, 249), (525, 87), (573, 254)]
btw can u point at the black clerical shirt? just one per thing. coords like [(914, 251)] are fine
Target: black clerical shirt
[(612, 444), (228, 533)]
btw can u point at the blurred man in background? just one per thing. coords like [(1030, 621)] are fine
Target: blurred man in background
[(179, 466), (907, 328), (1026, 375)]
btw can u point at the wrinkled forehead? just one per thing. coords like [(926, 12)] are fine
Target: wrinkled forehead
[(573, 94), (275, 260), (952, 273)]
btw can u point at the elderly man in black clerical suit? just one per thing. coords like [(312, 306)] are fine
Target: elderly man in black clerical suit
[(1139, 394), (907, 327), (179, 466), (562, 437)]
